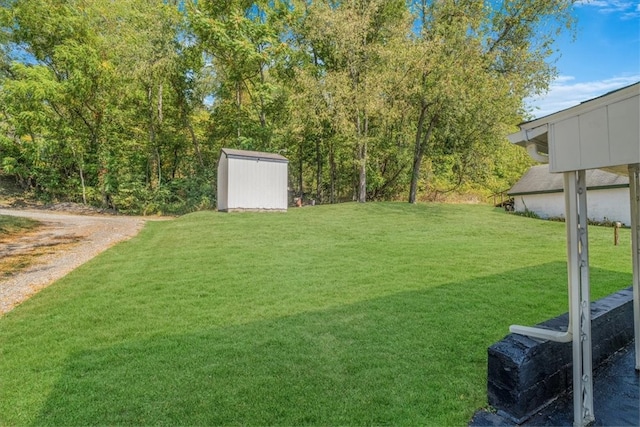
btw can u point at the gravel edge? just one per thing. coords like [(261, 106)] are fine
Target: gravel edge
[(96, 234)]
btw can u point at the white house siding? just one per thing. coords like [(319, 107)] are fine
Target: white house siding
[(610, 204), (594, 138), (544, 205)]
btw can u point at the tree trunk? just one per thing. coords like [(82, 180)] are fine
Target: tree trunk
[(318, 171), (176, 161), (239, 108), (160, 116), (84, 188), (263, 114), (152, 135), (421, 142), (362, 129), (158, 154), (300, 170), (80, 159), (415, 172), (332, 173), (196, 146), (362, 172)]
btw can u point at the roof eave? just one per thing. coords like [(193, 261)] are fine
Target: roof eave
[(585, 106), (533, 135), (535, 141)]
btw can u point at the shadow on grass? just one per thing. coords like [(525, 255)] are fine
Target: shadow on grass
[(409, 358)]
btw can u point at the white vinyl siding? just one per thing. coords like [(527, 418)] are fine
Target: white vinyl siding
[(606, 136), (610, 204)]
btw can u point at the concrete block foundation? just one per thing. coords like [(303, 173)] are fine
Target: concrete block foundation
[(526, 374)]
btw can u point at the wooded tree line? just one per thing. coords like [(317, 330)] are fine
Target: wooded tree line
[(126, 103)]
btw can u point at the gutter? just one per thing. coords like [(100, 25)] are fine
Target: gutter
[(531, 146), (532, 149), (526, 138), (560, 190)]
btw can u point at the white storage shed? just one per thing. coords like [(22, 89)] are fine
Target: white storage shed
[(252, 181)]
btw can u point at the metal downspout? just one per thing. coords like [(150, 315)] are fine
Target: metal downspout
[(533, 332), (634, 194), (579, 327), (545, 334), (532, 150), (575, 190), (532, 147)]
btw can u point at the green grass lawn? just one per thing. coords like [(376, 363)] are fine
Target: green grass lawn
[(334, 315)]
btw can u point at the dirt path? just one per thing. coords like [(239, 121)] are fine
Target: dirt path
[(64, 242)]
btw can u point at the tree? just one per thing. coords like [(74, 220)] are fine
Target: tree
[(241, 41), (61, 84), (126, 103), (348, 41), (112, 85), (476, 64)]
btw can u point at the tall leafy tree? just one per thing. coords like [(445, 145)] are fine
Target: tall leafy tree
[(348, 41), (241, 42), (64, 79), (112, 78), (477, 61)]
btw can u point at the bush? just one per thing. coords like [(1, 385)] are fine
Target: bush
[(176, 197), (527, 213)]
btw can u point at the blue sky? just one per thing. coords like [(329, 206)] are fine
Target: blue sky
[(604, 56)]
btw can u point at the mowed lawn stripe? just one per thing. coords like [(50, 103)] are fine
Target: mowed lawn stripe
[(349, 314)]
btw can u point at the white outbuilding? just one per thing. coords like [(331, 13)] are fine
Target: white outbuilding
[(541, 192), (252, 181)]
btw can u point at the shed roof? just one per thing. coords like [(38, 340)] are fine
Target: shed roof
[(539, 180), (254, 155)]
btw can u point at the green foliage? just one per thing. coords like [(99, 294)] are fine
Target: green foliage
[(528, 214), (177, 197), (107, 101), (102, 99), (473, 64), (334, 315)]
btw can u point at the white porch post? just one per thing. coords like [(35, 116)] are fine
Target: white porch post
[(575, 192), (634, 193)]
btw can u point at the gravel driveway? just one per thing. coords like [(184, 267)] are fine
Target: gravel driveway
[(80, 238)]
